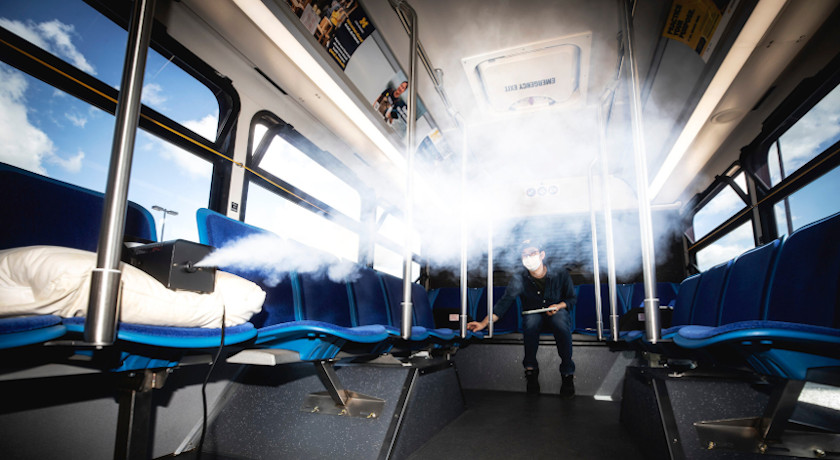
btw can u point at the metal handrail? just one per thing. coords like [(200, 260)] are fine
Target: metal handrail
[(102, 313), (652, 325)]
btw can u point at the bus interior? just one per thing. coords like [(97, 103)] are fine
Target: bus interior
[(259, 229)]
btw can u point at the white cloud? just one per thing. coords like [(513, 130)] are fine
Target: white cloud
[(72, 164), (186, 162), (53, 36), (205, 127), (22, 144), (77, 120), (153, 95)]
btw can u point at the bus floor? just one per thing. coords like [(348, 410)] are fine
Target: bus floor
[(512, 425)]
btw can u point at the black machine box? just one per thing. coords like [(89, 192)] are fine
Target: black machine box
[(173, 264)]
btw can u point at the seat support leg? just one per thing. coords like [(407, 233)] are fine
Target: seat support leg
[(338, 401), (134, 420)]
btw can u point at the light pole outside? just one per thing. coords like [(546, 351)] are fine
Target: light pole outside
[(165, 212)]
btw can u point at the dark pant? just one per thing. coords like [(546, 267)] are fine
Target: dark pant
[(561, 326)]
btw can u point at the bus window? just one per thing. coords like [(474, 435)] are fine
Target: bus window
[(723, 206), (284, 160), (809, 203), (274, 213), (729, 246), (387, 260), (808, 137)]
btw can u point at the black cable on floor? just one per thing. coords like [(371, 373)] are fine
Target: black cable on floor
[(204, 389)]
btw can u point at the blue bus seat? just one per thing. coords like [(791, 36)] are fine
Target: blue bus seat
[(509, 323), (680, 316), (422, 318), (800, 328), (709, 295), (666, 293), (585, 320)]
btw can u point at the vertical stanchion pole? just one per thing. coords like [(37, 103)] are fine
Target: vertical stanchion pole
[(606, 193), (409, 172), (490, 299), (596, 270), (464, 239), (645, 221), (102, 313)]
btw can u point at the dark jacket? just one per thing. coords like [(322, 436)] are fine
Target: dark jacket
[(558, 288)]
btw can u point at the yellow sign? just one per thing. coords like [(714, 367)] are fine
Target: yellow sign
[(692, 22)]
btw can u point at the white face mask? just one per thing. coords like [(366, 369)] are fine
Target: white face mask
[(532, 262)]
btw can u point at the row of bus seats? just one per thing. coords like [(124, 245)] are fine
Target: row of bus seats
[(774, 309), (318, 317), (629, 298)]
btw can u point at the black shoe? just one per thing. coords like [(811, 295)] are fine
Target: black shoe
[(532, 376), (568, 388)]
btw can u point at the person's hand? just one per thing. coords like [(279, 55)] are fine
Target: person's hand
[(475, 326), (557, 307)]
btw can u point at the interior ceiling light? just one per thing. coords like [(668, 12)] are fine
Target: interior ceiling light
[(756, 27), (538, 75)]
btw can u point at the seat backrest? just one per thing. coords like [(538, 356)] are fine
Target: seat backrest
[(280, 304), (585, 317), (709, 294), (666, 292), (217, 230), (745, 295), (510, 322), (281, 301), (39, 210), (369, 299), (684, 302), (322, 299), (803, 288), (421, 310)]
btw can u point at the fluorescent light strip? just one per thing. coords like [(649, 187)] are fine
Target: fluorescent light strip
[(754, 30), (283, 38)]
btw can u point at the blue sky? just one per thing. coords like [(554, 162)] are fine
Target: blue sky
[(50, 132)]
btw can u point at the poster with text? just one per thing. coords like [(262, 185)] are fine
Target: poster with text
[(340, 26), (698, 23)]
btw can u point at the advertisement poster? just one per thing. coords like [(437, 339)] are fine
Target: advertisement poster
[(695, 23), (340, 26), (392, 105)]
